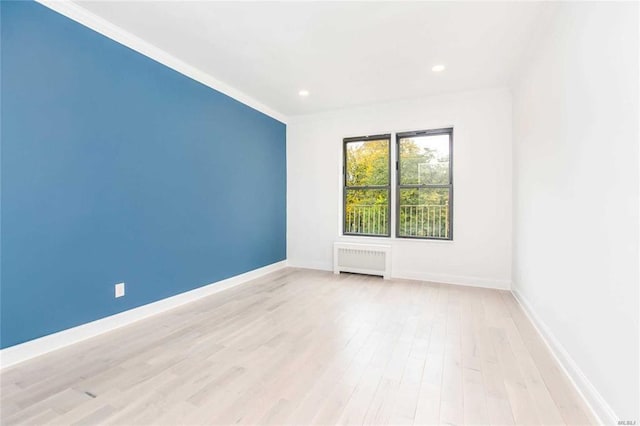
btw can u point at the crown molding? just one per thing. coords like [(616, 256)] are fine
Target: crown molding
[(90, 20)]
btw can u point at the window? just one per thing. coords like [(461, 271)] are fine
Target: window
[(424, 190), (367, 186)]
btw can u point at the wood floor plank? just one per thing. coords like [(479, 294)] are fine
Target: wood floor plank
[(429, 398), (306, 347), (522, 404), (498, 406), (474, 395)]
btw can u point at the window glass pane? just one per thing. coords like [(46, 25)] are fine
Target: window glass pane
[(424, 212), (424, 160), (367, 163), (367, 212)]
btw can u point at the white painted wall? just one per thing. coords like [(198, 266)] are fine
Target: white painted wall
[(481, 251), (576, 197)]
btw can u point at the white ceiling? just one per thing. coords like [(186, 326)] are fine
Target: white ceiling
[(344, 54)]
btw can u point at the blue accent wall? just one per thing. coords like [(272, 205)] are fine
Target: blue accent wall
[(116, 168)]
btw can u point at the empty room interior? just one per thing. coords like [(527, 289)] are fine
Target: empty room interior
[(297, 213)]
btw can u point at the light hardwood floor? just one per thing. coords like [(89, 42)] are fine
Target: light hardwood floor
[(307, 347)]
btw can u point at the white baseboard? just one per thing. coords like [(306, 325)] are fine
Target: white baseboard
[(596, 403), (33, 348), (453, 279), (420, 276), (318, 266)]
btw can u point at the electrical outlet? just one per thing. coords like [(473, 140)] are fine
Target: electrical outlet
[(119, 289)]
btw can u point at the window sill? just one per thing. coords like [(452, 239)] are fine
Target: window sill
[(387, 240)]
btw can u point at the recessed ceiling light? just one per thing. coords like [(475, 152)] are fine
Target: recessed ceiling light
[(303, 93), (437, 68)]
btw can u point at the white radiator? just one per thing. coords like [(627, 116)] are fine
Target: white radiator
[(372, 259)]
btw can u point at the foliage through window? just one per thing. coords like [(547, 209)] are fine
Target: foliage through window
[(424, 184), (423, 192), (367, 186)]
